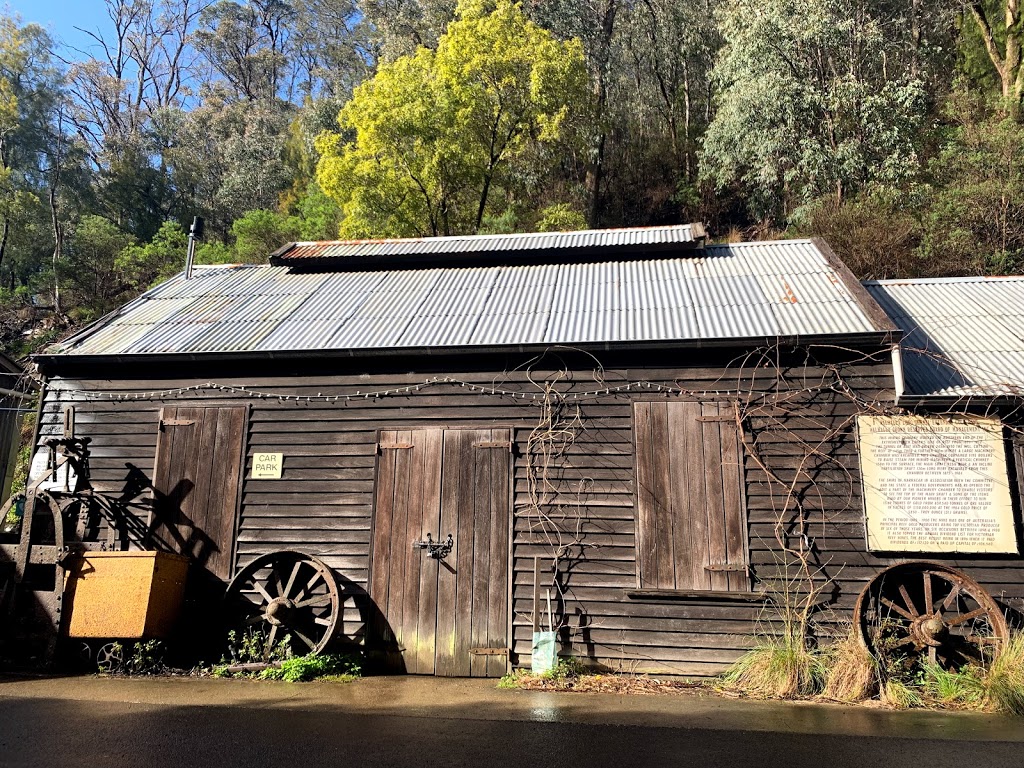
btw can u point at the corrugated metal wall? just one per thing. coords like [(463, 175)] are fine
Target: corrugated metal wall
[(324, 501)]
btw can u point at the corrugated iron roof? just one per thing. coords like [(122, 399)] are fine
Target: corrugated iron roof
[(748, 290), (964, 335), (623, 241)]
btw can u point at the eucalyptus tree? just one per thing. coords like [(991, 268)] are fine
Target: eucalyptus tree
[(815, 97)]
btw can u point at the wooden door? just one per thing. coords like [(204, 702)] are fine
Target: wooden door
[(450, 616), (196, 483)]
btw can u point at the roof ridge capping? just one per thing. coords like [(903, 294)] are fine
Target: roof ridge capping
[(479, 249)]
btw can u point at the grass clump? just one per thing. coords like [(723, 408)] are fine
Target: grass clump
[(1004, 681), (781, 667), (852, 674)]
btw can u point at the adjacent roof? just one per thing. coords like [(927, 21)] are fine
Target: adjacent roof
[(765, 290), (561, 246), (964, 336)]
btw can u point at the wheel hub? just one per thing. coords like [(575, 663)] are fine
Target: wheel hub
[(929, 630), (278, 610)]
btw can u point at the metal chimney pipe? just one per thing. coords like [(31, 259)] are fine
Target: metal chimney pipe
[(194, 232)]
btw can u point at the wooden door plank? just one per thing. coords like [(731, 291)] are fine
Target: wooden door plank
[(224, 486), (733, 495), (413, 557), (696, 497), (482, 520), (662, 541), (499, 561), (400, 543), (645, 517), (464, 567), (451, 493), (713, 482), (676, 455), (206, 490), (380, 572), (432, 446)]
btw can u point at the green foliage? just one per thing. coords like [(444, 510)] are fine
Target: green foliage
[(252, 647), (1004, 679), (561, 217), (300, 669), (145, 657), (258, 233), (806, 108), (142, 265), (565, 668), (428, 141), (974, 221)]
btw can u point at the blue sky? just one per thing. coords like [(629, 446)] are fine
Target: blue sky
[(60, 17)]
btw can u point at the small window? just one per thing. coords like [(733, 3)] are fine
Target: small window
[(690, 522)]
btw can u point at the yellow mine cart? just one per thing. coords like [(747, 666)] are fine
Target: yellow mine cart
[(130, 595)]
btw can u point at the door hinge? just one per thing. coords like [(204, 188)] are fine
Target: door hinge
[(488, 651), (176, 423), (722, 419), (393, 446), (504, 444), (725, 567)]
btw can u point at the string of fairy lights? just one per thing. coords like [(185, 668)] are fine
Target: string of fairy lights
[(320, 397)]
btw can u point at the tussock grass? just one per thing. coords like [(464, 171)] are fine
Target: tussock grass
[(782, 667), (957, 689), (900, 695), (852, 671), (1004, 679)]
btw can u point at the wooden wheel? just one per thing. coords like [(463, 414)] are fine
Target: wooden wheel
[(286, 595), (927, 610)]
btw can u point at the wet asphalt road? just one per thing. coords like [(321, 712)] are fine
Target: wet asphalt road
[(91, 723)]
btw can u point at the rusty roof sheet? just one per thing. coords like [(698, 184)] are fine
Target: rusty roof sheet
[(622, 240), (964, 336), (739, 291)]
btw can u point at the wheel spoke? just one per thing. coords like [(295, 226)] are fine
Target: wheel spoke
[(291, 579), (908, 602), (269, 647), (279, 581), (951, 598), (929, 605), (304, 639), (322, 620), (932, 654), (316, 601), (262, 590), (966, 617), (889, 603)]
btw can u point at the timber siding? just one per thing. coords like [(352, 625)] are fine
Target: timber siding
[(324, 501)]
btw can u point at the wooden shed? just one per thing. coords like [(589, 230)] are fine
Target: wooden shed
[(656, 432)]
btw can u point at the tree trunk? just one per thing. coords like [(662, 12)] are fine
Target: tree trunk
[(595, 168), (1007, 61)]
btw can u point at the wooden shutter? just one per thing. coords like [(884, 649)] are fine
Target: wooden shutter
[(690, 523)]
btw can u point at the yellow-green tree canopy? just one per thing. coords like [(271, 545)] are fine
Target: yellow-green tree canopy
[(430, 144)]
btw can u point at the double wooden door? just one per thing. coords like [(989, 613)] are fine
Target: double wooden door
[(196, 483), (443, 616)]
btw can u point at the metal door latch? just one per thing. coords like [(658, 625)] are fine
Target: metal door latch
[(438, 550)]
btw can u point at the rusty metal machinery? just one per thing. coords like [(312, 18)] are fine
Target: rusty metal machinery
[(286, 594), (926, 610)]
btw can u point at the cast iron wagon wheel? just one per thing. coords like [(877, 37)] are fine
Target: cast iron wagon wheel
[(925, 609), (286, 594)]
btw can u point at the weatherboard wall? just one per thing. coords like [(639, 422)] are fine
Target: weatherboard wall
[(324, 501)]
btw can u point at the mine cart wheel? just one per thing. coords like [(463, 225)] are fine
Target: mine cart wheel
[(927, 610), (286, 594), (110, 657)]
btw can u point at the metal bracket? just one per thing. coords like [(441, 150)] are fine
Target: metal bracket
[(436, 549), (725, 567), (176, 423)]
